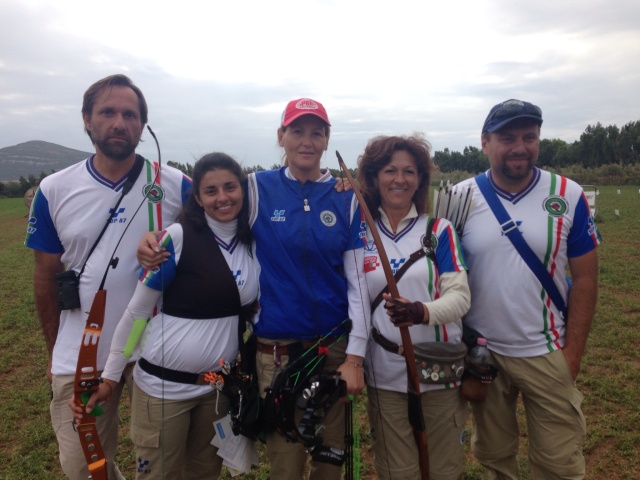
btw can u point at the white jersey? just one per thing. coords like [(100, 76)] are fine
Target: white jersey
[(420, 282), (508, 304), (67, 215), (184, 344)]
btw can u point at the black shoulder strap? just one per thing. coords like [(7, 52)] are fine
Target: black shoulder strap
[(134, 173), (427, 243)]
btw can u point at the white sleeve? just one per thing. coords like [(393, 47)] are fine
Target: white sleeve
[(359, 304), (140, 306), (454, 301)]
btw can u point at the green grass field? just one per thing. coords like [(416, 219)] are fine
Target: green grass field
[(610, 377)]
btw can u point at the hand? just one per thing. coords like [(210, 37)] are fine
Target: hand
[(404, 313), (149, 253), (103, 394), (352, 372), (572, 362), (343, 185)]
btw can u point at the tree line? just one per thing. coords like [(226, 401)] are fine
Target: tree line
[(602, 156), (19, 188), (596, 147)]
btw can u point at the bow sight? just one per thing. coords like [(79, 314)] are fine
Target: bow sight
[(300, 399)]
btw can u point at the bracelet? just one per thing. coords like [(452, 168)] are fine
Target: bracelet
[(356, 364)]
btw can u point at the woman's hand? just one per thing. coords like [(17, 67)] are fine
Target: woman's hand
[(343, 185), (352, 372), (149, 253), (404, 313)]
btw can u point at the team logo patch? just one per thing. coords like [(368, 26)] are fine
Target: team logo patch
[(370, 263), (278, 216), (153, 192), (143, 466), (434, 243), (31, 227), (369, 245), (328, 218), (556, 205), (396, 264)]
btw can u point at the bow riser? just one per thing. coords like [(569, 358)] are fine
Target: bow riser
[(87, 380)]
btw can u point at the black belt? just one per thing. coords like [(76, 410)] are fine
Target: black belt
[(172, 375)]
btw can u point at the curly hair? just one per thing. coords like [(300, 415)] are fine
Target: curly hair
[(377, 155)]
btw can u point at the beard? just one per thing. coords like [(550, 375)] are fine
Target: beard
[(116, 150), (517, 171)]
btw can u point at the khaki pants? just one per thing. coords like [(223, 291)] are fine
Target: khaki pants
[(173, 437), (555, 424), (72, 460), (287, 460), (396, 452)]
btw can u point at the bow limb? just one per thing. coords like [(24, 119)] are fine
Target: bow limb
[(416, 419), (87, 382)]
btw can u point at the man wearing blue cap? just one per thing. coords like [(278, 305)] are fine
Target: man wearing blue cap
[(535, 325)]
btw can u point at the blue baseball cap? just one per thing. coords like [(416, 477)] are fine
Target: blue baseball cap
[(508, 111)]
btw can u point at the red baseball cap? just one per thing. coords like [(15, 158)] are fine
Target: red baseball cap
[(303, 106)]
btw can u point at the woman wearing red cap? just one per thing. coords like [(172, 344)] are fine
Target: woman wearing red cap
[(308, 245)]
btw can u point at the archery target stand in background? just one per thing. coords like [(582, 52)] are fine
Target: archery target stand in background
[(591, 192)]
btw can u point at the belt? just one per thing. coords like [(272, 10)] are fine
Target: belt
[(279, 350), (385, 343), (172, 375)]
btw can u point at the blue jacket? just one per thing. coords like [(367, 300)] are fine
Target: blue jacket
[(303, 291)]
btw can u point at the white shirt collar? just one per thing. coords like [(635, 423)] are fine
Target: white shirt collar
[(411, 214), (325, 175)]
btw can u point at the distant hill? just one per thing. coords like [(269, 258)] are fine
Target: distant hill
[(35, 156)]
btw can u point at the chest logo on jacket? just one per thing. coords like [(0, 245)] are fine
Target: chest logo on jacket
[(278, 216), (396, 264), (328, 218), (153, 192), (555, 205), (117, 217)]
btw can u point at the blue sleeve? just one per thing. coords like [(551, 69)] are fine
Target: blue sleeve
[(41, 232), (160, 278), (584, 235), (449, 256)]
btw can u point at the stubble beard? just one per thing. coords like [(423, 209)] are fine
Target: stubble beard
[(517, 173)]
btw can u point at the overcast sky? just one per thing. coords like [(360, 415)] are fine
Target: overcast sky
[(217, 75)]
